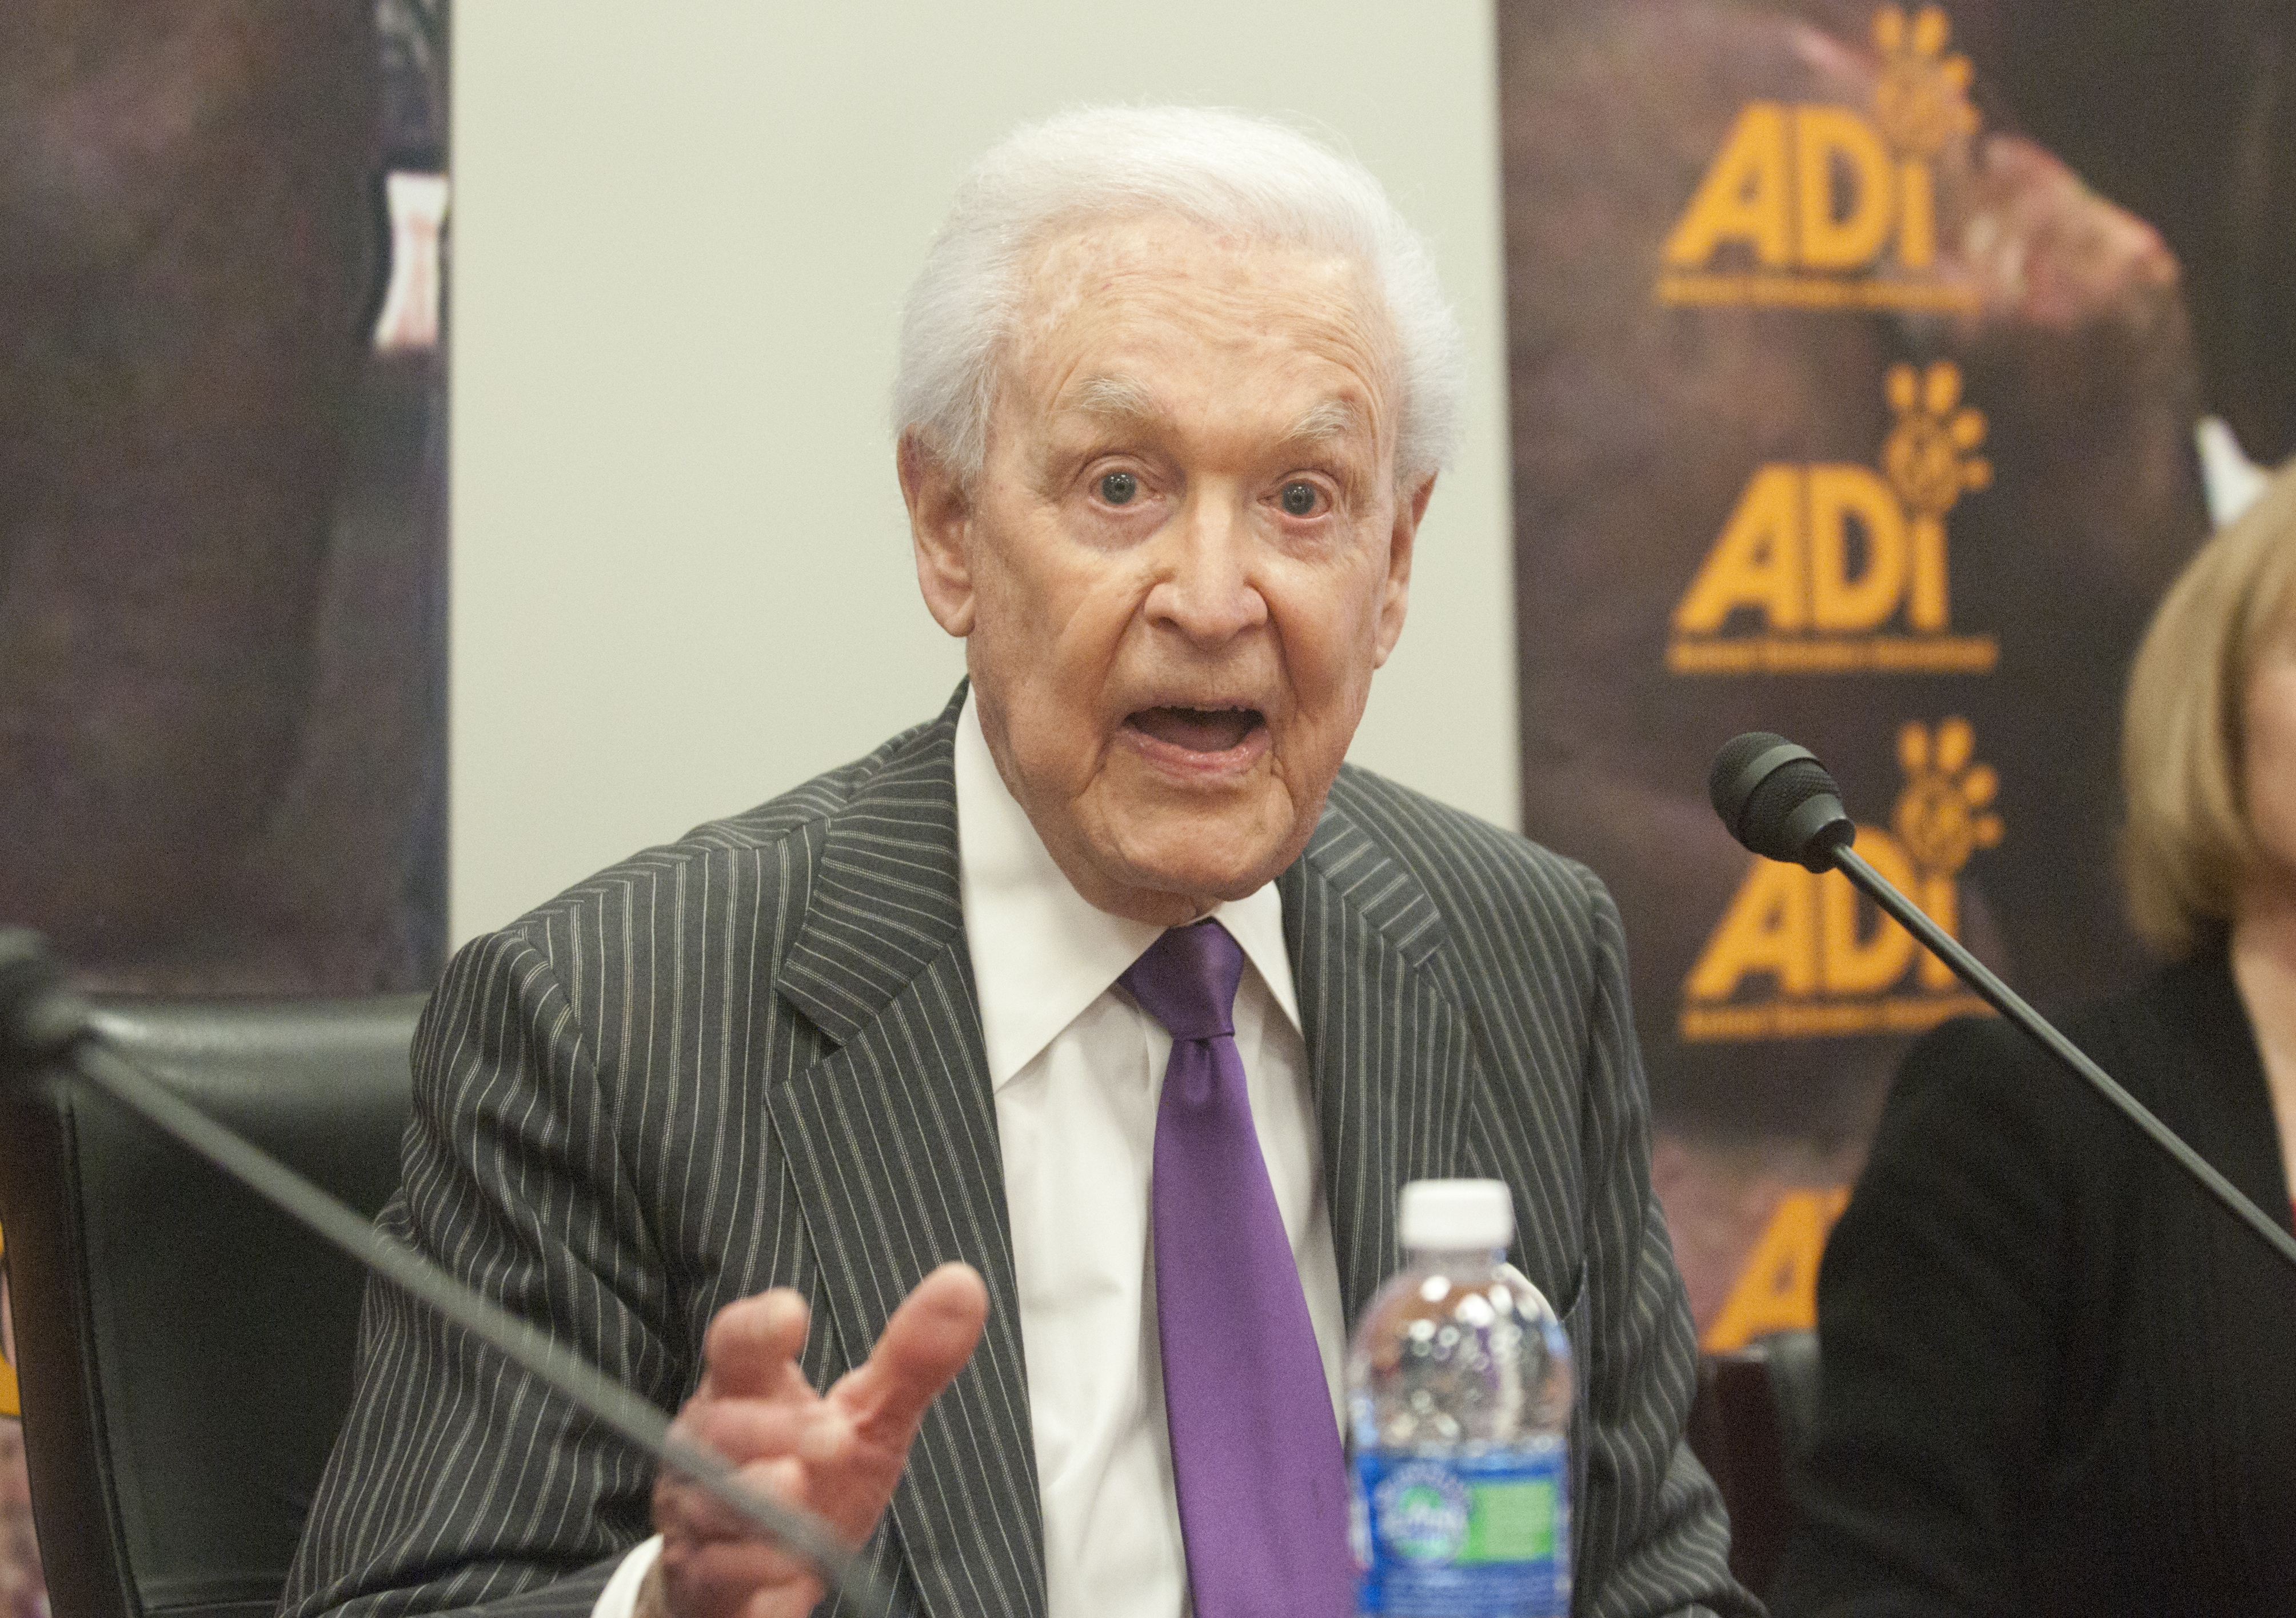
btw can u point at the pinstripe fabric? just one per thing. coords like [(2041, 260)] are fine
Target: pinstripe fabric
[(754, 1057)]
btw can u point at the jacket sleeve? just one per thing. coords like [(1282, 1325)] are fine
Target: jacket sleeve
[(457, 1483), (1938, 1304), (1653, 1536)]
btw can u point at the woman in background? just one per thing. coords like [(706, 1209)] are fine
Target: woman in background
[(2058, 1377)]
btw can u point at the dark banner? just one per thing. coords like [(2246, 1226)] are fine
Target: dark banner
[(1855, 397), (222, 461), (223, 529)]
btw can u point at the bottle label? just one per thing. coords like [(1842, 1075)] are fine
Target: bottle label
[(1485, 1536)]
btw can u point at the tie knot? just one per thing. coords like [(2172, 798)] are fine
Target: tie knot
[(1187, 979)]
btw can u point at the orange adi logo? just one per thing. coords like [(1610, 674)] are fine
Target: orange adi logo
[(1800, 954), (1818, 205), (1776, 1289), (1841, 569)]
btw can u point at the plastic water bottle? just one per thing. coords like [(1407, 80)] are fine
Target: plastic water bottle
[(1459, 1414)]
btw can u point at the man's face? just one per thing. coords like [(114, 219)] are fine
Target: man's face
[(1183, 558)]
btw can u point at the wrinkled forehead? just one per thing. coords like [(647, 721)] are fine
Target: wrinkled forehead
[(1158, 298)]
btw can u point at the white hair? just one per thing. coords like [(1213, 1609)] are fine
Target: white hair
[(1232, 173)]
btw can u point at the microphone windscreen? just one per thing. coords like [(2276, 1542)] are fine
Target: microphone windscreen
[(1728, 783), (1778, 800)]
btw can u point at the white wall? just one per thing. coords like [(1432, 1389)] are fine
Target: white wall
[(680, 579)]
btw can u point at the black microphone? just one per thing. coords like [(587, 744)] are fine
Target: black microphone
[(45, 1030), (1778, 800)]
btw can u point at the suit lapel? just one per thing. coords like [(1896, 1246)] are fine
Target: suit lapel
[(1393, 1065), (892, 1138)]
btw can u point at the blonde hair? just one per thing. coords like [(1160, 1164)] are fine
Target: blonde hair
[(2188, 849)]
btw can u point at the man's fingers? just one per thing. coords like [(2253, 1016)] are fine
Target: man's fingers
[(839, 1457), (686, 1512), (923, 1346), (743, 1430), (751, 1348)]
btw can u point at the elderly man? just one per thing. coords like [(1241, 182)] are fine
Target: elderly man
[(1174, 388)]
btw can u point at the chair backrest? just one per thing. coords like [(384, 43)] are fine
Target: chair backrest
[(1750, 1425), (184, 1351)]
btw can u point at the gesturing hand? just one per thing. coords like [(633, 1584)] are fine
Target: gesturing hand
[(838, 1454)]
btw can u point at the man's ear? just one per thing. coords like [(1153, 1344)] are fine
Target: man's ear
[(940, 531), (1396, 593)]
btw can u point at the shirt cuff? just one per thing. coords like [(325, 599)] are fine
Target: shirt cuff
[(619, 1599)]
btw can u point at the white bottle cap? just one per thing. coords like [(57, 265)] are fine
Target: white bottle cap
[(1454, 1215)]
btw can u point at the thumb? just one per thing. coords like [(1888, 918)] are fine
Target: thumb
[(922, 1347)]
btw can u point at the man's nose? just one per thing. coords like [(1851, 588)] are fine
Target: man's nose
[(1206, 590)]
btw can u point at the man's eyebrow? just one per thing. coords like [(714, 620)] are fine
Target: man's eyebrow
[(1113, 398), (1334, 418)]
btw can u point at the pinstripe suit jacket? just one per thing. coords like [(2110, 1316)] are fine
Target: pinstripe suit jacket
[(754, 1057)]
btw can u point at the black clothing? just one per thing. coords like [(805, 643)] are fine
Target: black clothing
[(2058, 1376)]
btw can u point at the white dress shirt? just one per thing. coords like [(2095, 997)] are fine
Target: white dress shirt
[(1077, 1069)]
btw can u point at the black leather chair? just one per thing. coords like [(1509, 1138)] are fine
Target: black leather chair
[(184, 1351), (1749, 1425)]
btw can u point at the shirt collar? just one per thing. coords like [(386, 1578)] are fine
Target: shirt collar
[(1041, 954)]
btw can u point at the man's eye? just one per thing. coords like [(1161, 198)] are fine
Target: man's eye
[(1118, 487), (1300, 498)]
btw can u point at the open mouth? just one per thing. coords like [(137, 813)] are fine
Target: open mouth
[(1198, 729)]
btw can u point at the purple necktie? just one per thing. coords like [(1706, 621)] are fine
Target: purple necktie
[(1256, 1453)]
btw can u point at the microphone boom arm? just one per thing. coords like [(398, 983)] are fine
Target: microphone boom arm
[(636, 1419), (2010, 1005)]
